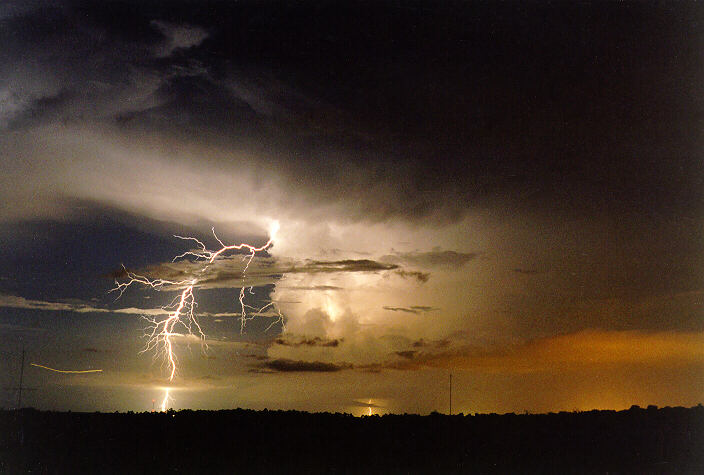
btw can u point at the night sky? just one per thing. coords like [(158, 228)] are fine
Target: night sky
[(509, 193)]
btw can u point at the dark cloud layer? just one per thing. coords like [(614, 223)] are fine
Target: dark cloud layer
[(421, 277), (458, 104), (431, 259), (416, 309), (288, 366), (265, 270), (346, 265), (316, 341)]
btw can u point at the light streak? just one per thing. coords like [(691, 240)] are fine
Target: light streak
[(67, 371), (181, 310)]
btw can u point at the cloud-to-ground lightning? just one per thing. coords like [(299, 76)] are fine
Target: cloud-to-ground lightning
[(67, 371), (181, 311), (166, 400)]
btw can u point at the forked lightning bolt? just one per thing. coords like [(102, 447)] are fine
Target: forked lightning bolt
[(181, 315)]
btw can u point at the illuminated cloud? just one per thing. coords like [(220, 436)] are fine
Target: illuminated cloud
[(591, 348), (178, 37)]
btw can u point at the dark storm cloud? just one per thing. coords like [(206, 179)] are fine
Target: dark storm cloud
[(372, 113), (316, 341), (423, 343), (421, 277), (227, 272), (431, 259), (416, 309), (458, 104), (289, 366), (422, 308), (61, 65), (346, 265), (407, 354)]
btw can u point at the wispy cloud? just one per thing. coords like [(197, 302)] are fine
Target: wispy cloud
[(14, 301)]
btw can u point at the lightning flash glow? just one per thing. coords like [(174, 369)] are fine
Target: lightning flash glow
[(67, 371), (181, 315)]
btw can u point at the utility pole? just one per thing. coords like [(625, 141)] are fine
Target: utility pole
[(19, 392), (21, 388), (450, 393)]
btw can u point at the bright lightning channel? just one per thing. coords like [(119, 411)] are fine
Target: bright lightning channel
[(181, 311), (165, 401)]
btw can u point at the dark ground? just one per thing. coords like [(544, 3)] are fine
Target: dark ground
[(667, 440)]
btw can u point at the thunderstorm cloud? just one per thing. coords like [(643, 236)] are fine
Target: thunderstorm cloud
[(469, 186)]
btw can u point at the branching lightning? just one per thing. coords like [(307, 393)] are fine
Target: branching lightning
[(181, 314), (67, 371)]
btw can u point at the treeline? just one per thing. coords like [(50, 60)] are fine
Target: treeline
[(651, 440)]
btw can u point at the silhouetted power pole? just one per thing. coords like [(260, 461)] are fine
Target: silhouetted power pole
[(450, 393), (19, 389)]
